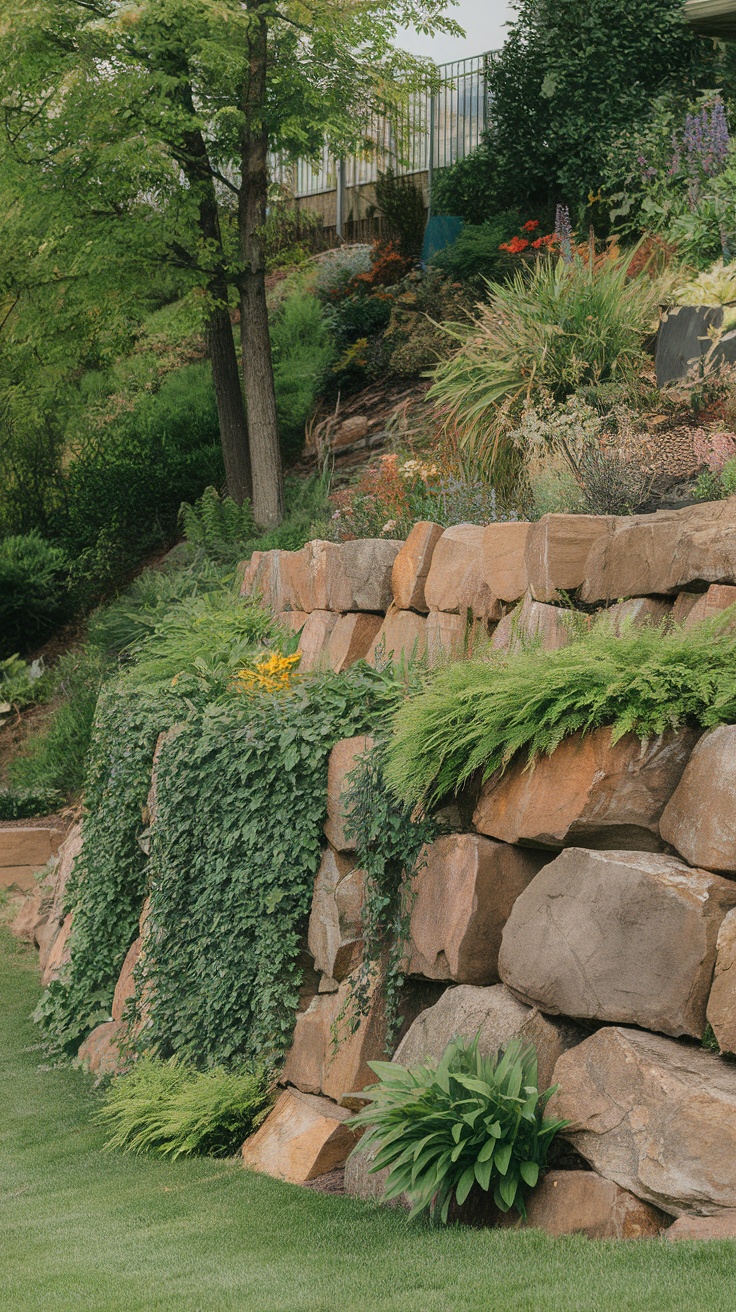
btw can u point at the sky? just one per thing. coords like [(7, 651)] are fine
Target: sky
[(483, 22)]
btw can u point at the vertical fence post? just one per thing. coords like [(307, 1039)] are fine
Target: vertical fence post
[(430, 160), (340, 199)]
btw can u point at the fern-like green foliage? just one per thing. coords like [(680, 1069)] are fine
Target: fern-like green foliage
[(217, 524), (476, 715), (172, 1109), (468, 1120)]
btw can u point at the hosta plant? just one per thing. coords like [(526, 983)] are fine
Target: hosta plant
[(469, 1119)]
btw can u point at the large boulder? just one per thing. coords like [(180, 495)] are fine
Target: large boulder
[(451, 637), (635, 612), (411, 566), (352, 639), (343, 760), (618, 936), (642, 555), (722, 1000), (364, 579), (100, 1053), (68, 852), (262, 579), (302, 1137), (316, 1063), (401, 638), (700, 817), (722, 1226), (557, 549), (548, 627), (335, 921), (125, 987), (656, 1116), (583, 1203), (589, 792), (462, 897), (718, 598), (496, 1017), (480, 570), (315, 639), (58, 954)]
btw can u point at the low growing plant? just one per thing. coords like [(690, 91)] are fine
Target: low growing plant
[(172, 1109), (469, 1120), (34, 597)]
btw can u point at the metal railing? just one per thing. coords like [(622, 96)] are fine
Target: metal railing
[(431, 130)]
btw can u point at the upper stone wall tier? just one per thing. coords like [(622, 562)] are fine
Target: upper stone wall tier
[(325, 576), (478, 570)]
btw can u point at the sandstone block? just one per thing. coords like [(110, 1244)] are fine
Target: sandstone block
[(58, 955), (589, 792), (28, 917), (411, 566), (450, 637), (722, 1226), (711, 603), (656, 1116), (100, 1053), (592, 937), (683, 604), (343, 760), (315, 1064), (352, 429), (462, 898), (722, 1000), (364, 579), (352, 639), (315, 639), (557, 549), (583, 1203), (497, 1017), (262, 578), (293, 620), (533, 623), (68, 853), (302, 1137), (29, 847), (663, 553), (401, 638), (699, 819), (335, 927), (637, 611), (479, 570), (125, 987)]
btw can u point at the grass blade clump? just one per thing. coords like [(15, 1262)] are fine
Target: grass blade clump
[(172, 1109), (476, 715), (467, 1120)]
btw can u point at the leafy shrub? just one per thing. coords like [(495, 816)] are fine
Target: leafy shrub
[(715, 485), (476, 253), (302, 352), (552, 329), (217, 525), (172, 1109), (469, 1120), (116, 626), (22, 684), (414, 338), (337, 269), (477, 715), (402, 204), (34, 598)]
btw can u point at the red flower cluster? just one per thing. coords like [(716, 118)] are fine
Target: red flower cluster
[(531, 225), (515, 246), (544, 242), (519, 244)]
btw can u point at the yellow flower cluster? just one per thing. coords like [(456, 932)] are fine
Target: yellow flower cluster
[(272, 674)]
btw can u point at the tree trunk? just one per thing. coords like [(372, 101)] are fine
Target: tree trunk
[(230, 408), (265, 454)]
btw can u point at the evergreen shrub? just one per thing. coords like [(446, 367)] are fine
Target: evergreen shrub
[(34, 598)]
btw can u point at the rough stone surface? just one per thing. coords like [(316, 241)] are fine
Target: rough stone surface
[(343, 759), (335, 928), (352, 639), (315, 638), (588, 792), (700, 817), (709, 604), (450, 636), (637, 611), (683, 604), (618, 936), (68, 853), (722, 1000), (262, 577), (361, 1182), (364, 580), (478, 570), (462, 898), (292, 619), (656, 1116), (583, 1203), (29, 847), (557, 549), (533, 622), (411, 566), (315, 1065), (402, 638), (58, 955), (722, 1226), (302, 1137), (29, 915), (496, 1016), (662, 553), (125, 987), (100, 1053)]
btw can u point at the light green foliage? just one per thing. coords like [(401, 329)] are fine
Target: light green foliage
[(554, 328), (714, 286), (33, 592), (22, 684), (714, 487), (476, 715), (253, 772), (201, 641), (468, 1120), (217, 524), (302, 353), (172, 1109)]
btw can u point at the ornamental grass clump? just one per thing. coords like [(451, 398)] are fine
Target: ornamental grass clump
[(170, 1108), (550, 329), (477, 715), (469, 1120)]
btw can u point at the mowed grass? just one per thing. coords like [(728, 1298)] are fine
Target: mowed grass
[(81, 1229)]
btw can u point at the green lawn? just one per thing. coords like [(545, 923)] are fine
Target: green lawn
[(80, 1229)]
